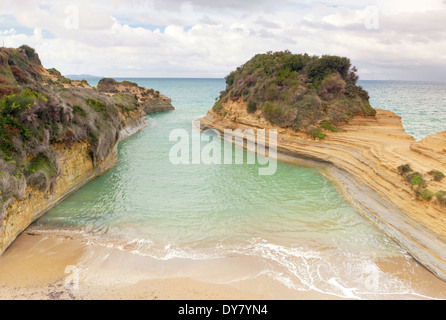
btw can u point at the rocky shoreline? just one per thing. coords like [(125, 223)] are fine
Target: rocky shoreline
[(363, 157)]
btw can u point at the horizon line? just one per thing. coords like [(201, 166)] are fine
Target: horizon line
[(223, 78)]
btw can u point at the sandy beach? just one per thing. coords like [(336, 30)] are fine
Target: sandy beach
[(38, 267), (42, 268)]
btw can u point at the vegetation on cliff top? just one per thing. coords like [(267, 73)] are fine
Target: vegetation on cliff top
[(298, 91), (130, 92), (39, 108)]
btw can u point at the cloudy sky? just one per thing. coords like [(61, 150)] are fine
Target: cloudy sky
[(397, 40)]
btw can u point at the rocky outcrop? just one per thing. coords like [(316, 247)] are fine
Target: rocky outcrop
[(364, 156), (150, 100), (159, 104)]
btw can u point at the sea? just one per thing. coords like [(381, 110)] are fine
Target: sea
[(229, 225)]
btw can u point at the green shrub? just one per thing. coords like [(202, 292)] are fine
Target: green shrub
[(426, 194), (326, 124), (328, 65), (79, 110), (416, 179), (332, 86), (218, 106), (437, 175), (230, 78), (11, 108), (316, 133), (404, 169), (441, 197), (41, 171), (30, 52), (252, 107), (15, 104), (272, 112), (54, 72), (97, 106), (129, 83)]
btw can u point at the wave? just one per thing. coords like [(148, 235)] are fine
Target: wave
[(325, 270)]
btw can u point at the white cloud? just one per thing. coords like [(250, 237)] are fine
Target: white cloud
[(211, 38)]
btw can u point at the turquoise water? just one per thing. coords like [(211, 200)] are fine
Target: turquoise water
[(294, 226), (422, 105)]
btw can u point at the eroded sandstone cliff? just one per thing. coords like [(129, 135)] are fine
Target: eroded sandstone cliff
[(56, 135)]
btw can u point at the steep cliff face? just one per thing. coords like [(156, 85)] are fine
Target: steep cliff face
[(56, 135), (365, 156)]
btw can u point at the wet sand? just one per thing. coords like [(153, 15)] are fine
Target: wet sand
[(42, 268), (37, 267)]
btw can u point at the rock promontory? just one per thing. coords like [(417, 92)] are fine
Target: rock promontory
[(150, 100)]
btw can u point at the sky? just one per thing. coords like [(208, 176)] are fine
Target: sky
[(385, 40)]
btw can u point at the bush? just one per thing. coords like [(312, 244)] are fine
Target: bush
[(437, 175), (404, 169), (79, 111), (416, 179), (230, 78), (332, 86), (328, 65), (316, 133), (252, 107), (42, 170), (272, 112), (97, 106), (328, 126), (129, 83), (39, 180), (441, 197), (426, 194), (43, 163), (15, 104), (30, 52), (218, 106)]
